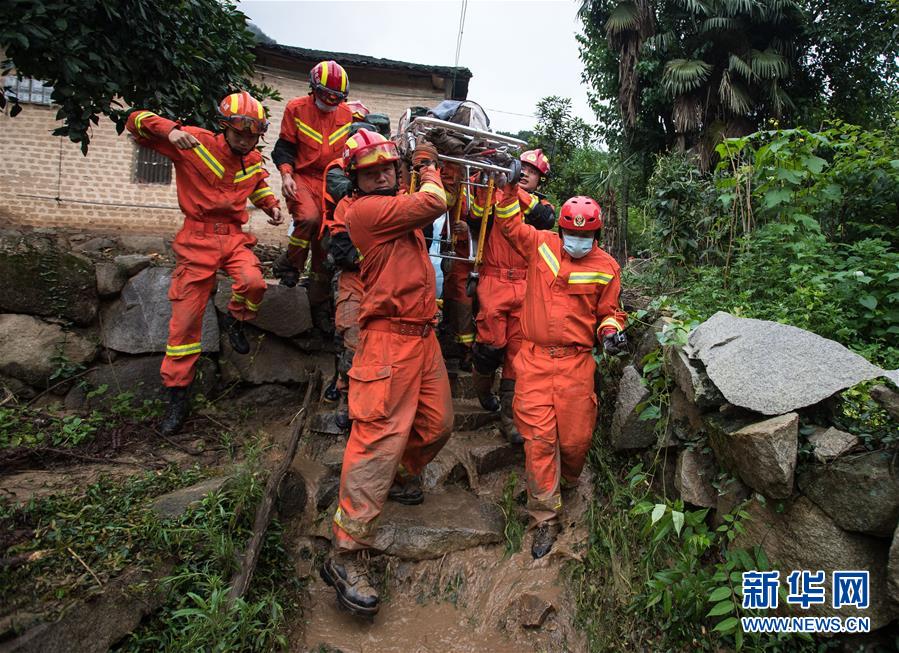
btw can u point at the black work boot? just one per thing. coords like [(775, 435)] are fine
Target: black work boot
[(483, 387), (506, 423), (347, 574), (284, 270), (236, 335), (175, 412), (332, 394), (544, 537), (342, 418), (407, 491)]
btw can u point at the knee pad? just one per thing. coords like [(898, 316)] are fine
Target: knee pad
[(486, 358)]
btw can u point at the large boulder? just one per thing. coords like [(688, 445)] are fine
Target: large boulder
[(763, 454), (830, 443), (692, 379), (41, 278), (860, 493), (802, 536), (32, 350), (888, 398), (628, 430), (693, 476), (893, 569), (684, 417), (271, 360), (774, 368), (284, 311), (138, 322), (110, 279)]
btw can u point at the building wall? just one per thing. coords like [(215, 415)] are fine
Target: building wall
[(46, 182)]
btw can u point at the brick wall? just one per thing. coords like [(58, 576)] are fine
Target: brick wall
[(97, 192)]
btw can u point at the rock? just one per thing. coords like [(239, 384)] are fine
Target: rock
[(95, 625), (110, 279), (325, 423), (32, 350), (138, 322), (888, 398), (461, 386), (533, 610), (628, 431), (19, 389), (284, 311), (860, 493), (732, 493), (131, 264), (649, 341), (831, 443), (332, 458), (271, 360), (693, 478), (40, 278), (469, 416), (893, 569), (174, 504), (489, 452), (447, 522), (763, 454), (143, 244), (684, 418), (308, 487), (692, 379), (802, 536), (773, 368), (98, 244), (447, 467), (269, 394)]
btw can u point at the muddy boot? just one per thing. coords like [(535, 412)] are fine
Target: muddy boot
[(175, 412), (544, 537), (506, 423), (407, 491), (483, 386), (236, 335), (342, 414), (323, 317), (347, 573), (283, 269), (331, 393)]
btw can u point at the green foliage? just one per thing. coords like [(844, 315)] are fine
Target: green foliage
[(177, 58), (565, 140), (22, 427), (515, 525), (858, 413)]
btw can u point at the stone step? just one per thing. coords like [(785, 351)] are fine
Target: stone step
[(470, 455), (462, 386), (469, 416)]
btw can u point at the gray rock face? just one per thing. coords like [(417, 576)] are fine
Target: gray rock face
[(831, 443), (629, 432), (804, 537), (31, 350), (685, 419), (446, 522), (693, 478), (888, 398), (309, 487), (762, 454), (893, 569), (733, 493), (138, 323), (649, 342), (773, 368), (41, 278), (131, 264), (284, 311), (110, 279), (692, 380), (143, 244), (174, 504), (859, 493), (469, 416), (271, 360)]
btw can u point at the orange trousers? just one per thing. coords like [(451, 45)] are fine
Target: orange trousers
[(500, 295), (200, 253), (346, 321), (307, 218), (456, 302), (555, 411), (402, 416)]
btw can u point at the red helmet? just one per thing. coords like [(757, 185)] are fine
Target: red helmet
[(537, 159), (365, 149), (329, 80), (243, 112), (360, 111), (580, 213)]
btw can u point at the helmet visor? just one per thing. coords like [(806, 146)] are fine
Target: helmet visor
[(330, 97), (247, 124), (376, 154)]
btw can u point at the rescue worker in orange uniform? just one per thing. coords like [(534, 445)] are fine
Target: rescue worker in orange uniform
[(571, 301), (500, 291), (399, 393), (314, 129), (216, 175)]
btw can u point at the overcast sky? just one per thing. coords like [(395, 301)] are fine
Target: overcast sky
[(519, 51)]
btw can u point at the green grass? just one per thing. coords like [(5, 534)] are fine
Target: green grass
[(515, 526)]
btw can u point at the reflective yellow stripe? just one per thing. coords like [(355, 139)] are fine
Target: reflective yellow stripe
[(549, 258), (477, 211), (258, 194), (183, 350), (254, 169), (306, 129), (337, 134), (503, 212), (433, 189), (465, 338), (260, 109), (324, 81), (252, 306), (211, 162), (298, 242), (234, 101), (589, 277), (237, 298), (139, 121), (530, 207), (611, 321)]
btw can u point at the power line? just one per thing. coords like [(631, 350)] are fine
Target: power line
[(459, 45)]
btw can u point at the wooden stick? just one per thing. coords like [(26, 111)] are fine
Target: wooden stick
[(241, 581), (84, 564)]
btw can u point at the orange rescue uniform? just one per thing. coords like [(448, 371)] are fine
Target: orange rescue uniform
[(567, 302), (214, 185), (399, 396)]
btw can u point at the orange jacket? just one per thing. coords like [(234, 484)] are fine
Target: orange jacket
[(396, 271), (213, 183), (568, 301), (318, 136)]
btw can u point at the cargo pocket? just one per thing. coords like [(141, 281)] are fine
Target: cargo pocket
[(369, 391)]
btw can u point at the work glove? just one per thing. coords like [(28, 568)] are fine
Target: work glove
[(424, 155), (614, 342)]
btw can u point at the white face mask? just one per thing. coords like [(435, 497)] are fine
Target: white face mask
[(327, 108), (577, 246)]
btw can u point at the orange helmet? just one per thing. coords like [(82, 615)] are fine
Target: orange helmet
[(243, 112), (537, 159), (330, 82), (365, 149), (580, 214), (360, 111)]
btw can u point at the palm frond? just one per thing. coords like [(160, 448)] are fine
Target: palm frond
[(780, 99), (769, 64), (737, 7), (624, 17), (687, 114), (659, 42), (684, 75), (733, 95), (737, 65), (720, 24), (695, 7)]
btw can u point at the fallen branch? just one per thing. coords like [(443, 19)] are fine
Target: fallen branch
[(23, 558), (241, 581)]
